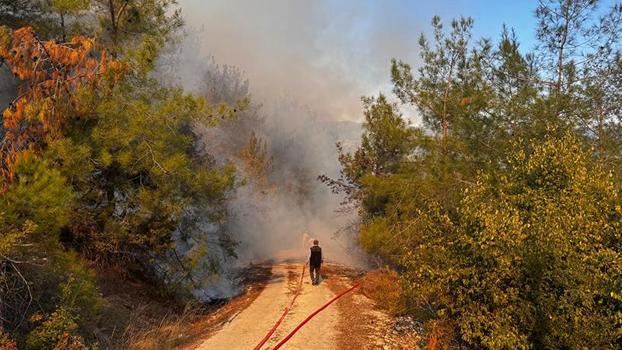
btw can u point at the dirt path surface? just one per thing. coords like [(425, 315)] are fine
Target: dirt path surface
[(362, 324), (253, 323), (350, 323)]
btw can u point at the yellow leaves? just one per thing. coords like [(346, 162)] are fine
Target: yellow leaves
[(8, 120), (37, 317), (13, 116), (57, 75), (125, 158), (74, 57), (103, 62), (106, 158), (115, 70), (87, 44)]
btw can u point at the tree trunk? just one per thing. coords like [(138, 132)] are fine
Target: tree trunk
[(113, 21), (62, 26)]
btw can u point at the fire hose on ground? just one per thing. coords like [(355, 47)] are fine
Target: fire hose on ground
[(285, 312), (291, 334), (307, 319)]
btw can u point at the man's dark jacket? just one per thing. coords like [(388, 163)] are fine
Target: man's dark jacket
[(316, 256)]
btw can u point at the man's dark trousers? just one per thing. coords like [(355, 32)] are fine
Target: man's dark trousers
[(315, 274)]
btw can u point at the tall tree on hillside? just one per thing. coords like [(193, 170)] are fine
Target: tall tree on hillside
[(386, 141), (435, 91), (578, 42), (123, 20), (515, 88), (96, 136), (503, 217), (452, 92), (69, 10)]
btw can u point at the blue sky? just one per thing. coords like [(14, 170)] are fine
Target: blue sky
[(489, 15), (328, 53)]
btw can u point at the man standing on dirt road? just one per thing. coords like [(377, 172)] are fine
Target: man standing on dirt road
[(315, 262)]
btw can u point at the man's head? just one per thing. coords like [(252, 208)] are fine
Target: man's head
[(316, 242)]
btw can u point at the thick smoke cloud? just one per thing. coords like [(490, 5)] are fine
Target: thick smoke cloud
[(8, 87), (325, 54), (271, 221), (307, 64)]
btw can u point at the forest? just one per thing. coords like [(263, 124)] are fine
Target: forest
[(500, 213)]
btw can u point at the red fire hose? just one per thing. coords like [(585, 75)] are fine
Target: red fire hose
[(291, 334), (291, 303)]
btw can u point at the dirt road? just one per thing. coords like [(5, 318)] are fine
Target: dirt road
[(350, 323), (252, 324)]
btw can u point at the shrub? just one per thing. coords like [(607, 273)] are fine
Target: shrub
[(57, 332), (6, 343)]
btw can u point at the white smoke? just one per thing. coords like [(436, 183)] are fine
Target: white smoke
[(268, 217), (8, 86), (270, 223), (325, 54)]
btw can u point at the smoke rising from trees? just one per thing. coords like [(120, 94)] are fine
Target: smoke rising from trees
[(280, 146)]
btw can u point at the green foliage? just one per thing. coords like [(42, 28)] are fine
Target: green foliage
[(530, 258), (443, 76), (125, 21), (39, 195), (385, 142), (78, 292), (120, 24), (66, 296), (57, 332), (386, 139), (139, 167), (71, 5), (32, 210), (12, 235), (6, 342), (501, 212), (124, 173), (533, 263)]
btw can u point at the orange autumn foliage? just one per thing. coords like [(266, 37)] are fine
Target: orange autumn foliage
[(53, 74)]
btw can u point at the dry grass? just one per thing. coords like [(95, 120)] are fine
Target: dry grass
[(441, 335), (363, 324), (384, 288), (172, 331), (138, 318)]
